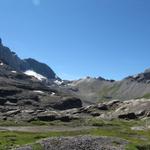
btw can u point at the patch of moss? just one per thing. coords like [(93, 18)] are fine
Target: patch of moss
[(37, 146), (143, 147), (131, 147), (147, 96)]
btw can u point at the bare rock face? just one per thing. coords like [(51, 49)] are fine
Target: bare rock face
[(40, 68)]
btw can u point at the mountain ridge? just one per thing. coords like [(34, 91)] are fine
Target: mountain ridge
[(96, 90), (10, 58)]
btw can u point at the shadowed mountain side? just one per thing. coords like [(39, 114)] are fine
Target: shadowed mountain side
[(10, 58)]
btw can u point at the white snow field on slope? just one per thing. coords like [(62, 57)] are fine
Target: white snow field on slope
[(58, 82), (36, 75)]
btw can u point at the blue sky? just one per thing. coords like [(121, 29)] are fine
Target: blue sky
[(78, 38)]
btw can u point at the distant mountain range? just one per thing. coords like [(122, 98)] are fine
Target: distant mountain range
[(89, 90), (94, 90)]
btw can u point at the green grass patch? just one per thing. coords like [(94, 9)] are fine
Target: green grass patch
[(147, 96), (122, 129), (12, 139), (37, 146)]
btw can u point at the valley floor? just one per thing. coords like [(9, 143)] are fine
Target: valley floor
[(126, 135)]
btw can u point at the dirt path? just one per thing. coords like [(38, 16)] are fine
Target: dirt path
[(43, 128)]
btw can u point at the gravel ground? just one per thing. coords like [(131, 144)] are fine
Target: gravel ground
[(81, 143), (42, 129)]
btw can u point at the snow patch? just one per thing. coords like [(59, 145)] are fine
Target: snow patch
[(36, 75), (135, 76), (52, 94), (14, 71), (1, 64), (58, 82), (40, 92)]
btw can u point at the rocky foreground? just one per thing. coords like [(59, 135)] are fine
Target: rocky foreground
[(80, 143)]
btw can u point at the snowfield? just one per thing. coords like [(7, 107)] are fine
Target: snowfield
[(58, 82), (34, 74)]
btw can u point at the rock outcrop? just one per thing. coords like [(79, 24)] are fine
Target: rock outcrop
[(128, 110)]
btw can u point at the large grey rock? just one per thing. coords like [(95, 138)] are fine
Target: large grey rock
[(127, 116), (67, 103)]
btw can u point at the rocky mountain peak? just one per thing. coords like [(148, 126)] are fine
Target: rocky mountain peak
[(100, 78), (11, 59), (39, 67)]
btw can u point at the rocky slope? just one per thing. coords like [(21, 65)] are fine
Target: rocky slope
[(23, 97), (94, 90)]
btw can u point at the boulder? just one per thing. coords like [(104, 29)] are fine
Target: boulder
[(12, 113), (127, 116), (102, 107), (48, 116), (67, 103)]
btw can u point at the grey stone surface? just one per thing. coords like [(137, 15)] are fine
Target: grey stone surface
[(81, 143)]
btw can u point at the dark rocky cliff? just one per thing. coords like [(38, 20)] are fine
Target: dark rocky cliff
[(10, 58)]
